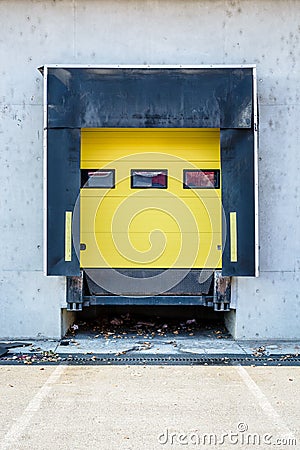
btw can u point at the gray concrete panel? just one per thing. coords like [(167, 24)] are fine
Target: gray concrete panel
[(30, 305), (268, 307), (21, 161), (33, 33)]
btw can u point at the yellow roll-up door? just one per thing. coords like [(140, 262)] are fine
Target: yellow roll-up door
[(151, 198)]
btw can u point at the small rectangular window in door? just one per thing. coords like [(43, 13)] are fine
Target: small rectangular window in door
[(143, 179), (201, 179), (93, 178)]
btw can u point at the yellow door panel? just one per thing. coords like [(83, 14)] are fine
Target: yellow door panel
[(173, 188), (112, 144), (155, 250), (173, 164), (127, 227), (118, 214)]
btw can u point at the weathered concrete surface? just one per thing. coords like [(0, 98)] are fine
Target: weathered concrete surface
[(30, 305), (200, 344), (149, 32), (134, 407), (268, 307)]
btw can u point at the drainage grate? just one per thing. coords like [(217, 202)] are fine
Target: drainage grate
[(150, 359), (214, 360)]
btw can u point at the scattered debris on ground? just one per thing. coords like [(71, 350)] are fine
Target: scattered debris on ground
[(37, 357), (120, 326), (135, 339), (259, 351), (136, 348)]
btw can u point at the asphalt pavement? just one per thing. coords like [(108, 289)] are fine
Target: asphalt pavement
[(148, 407)]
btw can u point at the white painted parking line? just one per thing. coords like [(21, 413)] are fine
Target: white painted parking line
[(14, 433), (264, 403)]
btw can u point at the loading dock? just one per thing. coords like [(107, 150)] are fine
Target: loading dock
[(153, 101)]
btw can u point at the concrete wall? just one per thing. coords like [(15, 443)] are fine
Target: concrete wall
[(33, 33)]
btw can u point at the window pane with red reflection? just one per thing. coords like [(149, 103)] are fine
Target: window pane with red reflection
[(201, 179)]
